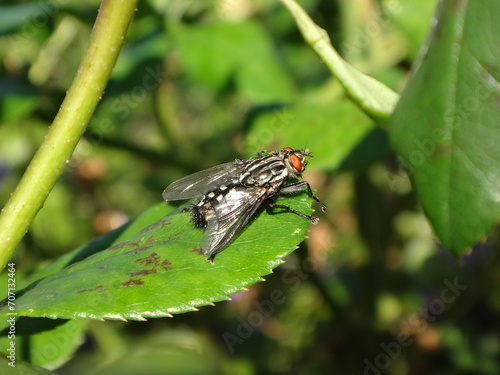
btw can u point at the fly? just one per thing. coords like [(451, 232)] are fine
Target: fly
[(232, 192)]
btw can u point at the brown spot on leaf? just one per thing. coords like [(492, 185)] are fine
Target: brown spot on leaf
[(165, 222), (118, 246), (174, 237), (156, 224), (137, 250), (143, 272), (98, 288), (196, 250), (154, 261), (166, 264), (147, 229), (149, 240), (133, 282)]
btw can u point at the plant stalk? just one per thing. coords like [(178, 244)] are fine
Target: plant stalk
[(105, 43)]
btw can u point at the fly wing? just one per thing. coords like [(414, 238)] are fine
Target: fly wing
[(199, 183), (230, 214)]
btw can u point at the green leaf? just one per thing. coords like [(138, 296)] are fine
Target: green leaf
[(16, 16), (16, 107), (103, 242), (161, 271), (50, 348), (447, 124), (214, 53)]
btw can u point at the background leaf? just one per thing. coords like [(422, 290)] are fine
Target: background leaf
[(215, 53), (343, 125), (161, 271), (447, 124), (414, 20), (50, 348)]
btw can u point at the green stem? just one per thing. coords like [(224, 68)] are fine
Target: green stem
[(81, 100), (373, 97)]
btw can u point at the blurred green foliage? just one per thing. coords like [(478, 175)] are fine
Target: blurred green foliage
[(200, 83)]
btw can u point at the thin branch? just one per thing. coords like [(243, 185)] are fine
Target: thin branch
[(373, 97)]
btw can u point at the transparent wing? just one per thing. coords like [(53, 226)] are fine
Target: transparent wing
[(202, 182), (231, 214)]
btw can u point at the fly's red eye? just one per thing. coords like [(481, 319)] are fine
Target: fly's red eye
[(296, 162), (287, 149)]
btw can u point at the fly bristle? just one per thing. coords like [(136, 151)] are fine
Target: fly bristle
[(198, 216)]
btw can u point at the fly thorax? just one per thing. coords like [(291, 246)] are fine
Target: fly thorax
[(265, 171)]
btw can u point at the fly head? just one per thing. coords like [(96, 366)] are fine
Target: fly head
[(295, 160)]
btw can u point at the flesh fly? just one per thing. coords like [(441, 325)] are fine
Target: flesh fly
[(231, 193)]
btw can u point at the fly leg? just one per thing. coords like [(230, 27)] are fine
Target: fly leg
[(313, 219), (295, 188)]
